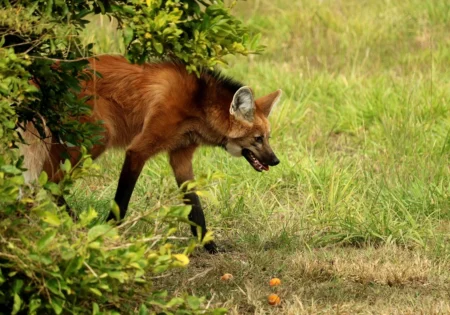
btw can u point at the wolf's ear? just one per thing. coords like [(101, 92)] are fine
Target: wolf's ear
[(266, 103), (243, 105)]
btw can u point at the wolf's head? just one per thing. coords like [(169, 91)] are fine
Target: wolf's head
[(250, 129)]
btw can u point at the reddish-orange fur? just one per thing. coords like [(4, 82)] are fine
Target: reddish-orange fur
[(160, 107)]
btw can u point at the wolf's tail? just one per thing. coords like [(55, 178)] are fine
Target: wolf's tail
[(35, 150)]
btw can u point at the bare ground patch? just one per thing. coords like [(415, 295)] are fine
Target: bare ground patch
[(385, 280)]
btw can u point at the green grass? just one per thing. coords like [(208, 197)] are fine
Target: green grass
[(356, 217)]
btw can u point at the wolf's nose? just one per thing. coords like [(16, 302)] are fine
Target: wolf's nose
[(274, 161)]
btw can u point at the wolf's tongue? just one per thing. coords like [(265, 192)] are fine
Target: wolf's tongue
[(258, 165), (251, 158)]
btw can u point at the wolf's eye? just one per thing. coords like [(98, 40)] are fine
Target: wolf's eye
[(259, 139)]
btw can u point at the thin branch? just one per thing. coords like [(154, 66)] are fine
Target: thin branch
[(37, 42), (90, 269), (72, 60), (210, 300), (155, 239), (163, 276), (201, 274)]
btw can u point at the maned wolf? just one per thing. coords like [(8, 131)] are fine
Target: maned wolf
[(158, 107)]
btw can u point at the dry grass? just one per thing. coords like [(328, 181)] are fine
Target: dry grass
[(341, 280)]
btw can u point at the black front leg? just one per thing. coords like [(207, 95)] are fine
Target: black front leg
[(198, 217), (129, 175), (181, 163)]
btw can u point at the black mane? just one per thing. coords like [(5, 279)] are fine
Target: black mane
[(209, 80), (221, 79), (210, 76)]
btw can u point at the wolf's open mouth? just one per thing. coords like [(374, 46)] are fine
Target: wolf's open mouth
[(251, 158)]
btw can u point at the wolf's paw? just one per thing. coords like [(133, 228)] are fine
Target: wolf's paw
[(212, 248)]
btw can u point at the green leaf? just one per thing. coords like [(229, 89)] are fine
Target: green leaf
[(96, 291), (57, 305), (17, 287), (193, 302), (102, 7), (67, 253), (182, 258), (53, 188), (95, 309), (74, 265), (143, 310), (95, 245), (66, 166), (43, 178), (10, 169), (175, 302), (42, 258), (119, 275), (34, 305), (158, 46), (54, 287), (46, 239), (181, 212), (86, 217), (128, 35), (82, 14), (51, 218), (88, 162), (17, 180), (160, 294), (115, 210), (17, 304), (103, 230), (208, 237)]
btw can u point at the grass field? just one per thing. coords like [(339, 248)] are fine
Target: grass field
[(356, 217)]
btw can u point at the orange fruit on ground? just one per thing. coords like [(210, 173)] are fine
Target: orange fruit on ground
[(274, 282), (274, 299), (226, 277)]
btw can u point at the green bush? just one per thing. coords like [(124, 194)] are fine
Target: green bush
[(48, 263)]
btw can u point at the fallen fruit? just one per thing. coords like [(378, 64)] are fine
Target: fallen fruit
[(274, 282), (274, 299), (226, 277)]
